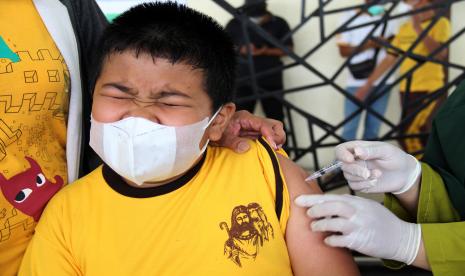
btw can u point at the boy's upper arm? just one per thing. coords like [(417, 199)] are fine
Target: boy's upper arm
[(307, 250), (48, 252)]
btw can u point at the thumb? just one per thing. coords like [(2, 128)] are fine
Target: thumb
[(345, 152), (338, 241), (237, 144)]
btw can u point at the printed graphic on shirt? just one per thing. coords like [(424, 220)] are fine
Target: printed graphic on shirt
[(47, 105), (7, 56), (7, 137), (10, 220), (34, 102), (249, 230), (30, 190)]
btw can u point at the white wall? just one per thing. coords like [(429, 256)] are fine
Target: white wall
[(457, 53), (325, 103)]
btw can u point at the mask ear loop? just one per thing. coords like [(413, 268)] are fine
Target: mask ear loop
[(213, 117), (205, 127)]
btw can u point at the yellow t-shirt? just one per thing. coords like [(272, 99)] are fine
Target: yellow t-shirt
[(226, 216), (429, 76), (34, 83)]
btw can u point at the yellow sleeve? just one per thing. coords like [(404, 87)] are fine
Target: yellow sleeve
[(442, 30), (49, 252)]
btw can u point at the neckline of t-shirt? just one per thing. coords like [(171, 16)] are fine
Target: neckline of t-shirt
[(117, 183)]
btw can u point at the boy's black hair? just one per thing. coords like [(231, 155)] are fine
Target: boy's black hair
[(178, 34)]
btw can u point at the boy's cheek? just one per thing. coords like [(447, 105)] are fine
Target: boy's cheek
[(105, 112)]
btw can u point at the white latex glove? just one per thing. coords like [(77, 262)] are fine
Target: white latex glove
[(363, 225), (378, 167)]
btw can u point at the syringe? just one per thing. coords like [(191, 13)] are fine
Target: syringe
[(334, 166)]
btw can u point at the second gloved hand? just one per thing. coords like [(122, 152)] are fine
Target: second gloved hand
[(378, 167), (362, 225)]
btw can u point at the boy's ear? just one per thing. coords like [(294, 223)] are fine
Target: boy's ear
[(221, 122)]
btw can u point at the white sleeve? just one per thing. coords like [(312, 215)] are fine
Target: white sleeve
[(392, 28)]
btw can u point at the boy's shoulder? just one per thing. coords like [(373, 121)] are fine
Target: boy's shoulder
[(71, 191), (258, 148), (72, 197)]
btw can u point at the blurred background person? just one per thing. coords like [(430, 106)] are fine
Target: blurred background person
[(265, 56), (426, 79), (363, 61)]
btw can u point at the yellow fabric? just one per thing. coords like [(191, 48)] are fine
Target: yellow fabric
[(33, 110), (90, 229), (415, 127), (429, 76)]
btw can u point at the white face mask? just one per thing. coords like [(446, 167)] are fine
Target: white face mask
[(143, 151)]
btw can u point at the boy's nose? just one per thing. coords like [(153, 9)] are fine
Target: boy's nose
[(143, 110)]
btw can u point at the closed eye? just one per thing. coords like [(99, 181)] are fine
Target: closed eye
[(170, 104), (23, 195)]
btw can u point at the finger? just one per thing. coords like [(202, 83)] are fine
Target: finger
[(279, 134), (237, 144), (374, 151), (338, 241), (331, 208), (374, 174), (249, 133), (273, 131), (356, 169), (311, 200), (234, 128), (249, 137), (332, 225), (364, 186), (344, 152), (350, 177)]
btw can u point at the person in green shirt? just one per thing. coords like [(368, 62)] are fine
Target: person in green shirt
[(422, 220)]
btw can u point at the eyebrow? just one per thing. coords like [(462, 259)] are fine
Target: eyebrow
[(121, 87)]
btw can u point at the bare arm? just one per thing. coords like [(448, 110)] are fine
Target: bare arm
[(409, 199), (308, 253), (345, 50), (432, 45), (421, 260), (264, 51), (429, 42), (385, 64), (275, 51)]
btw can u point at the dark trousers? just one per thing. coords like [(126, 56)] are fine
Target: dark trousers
[(272, 106)]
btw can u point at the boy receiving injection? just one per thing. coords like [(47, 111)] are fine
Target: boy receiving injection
[(164, 202)]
